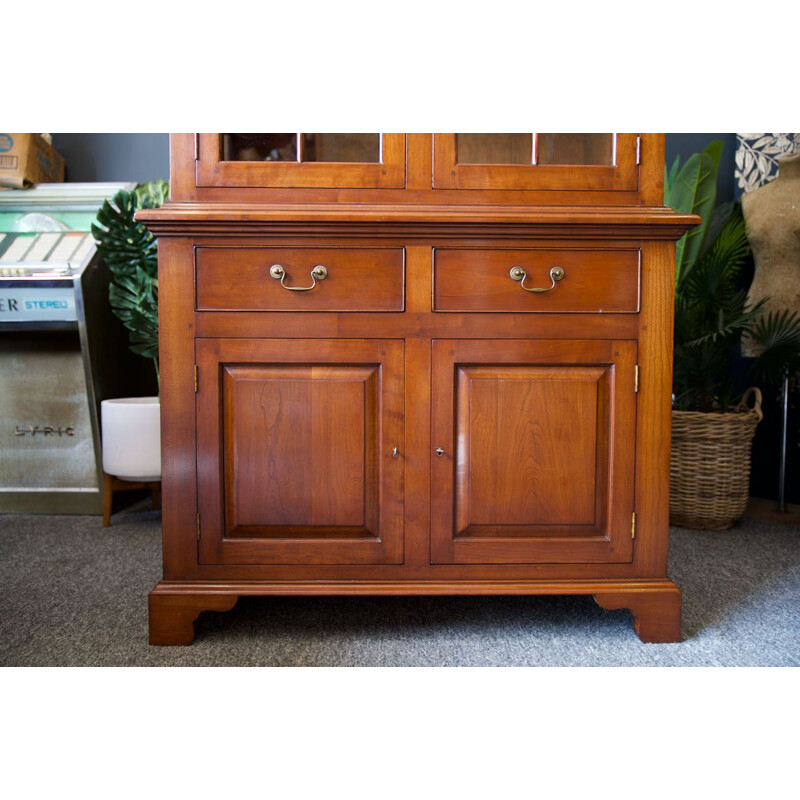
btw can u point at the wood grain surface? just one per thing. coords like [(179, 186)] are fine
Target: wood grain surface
[(358, 279), (595, 281)]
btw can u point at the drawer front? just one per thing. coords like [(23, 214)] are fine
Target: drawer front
[(589, 281), (289, 279)]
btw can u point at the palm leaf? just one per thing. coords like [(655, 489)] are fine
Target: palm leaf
[(722, 213), (712, 284), (693, 189), (778, 333)]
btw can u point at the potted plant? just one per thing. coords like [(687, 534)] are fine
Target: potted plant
[(712, 421), (131, 426)]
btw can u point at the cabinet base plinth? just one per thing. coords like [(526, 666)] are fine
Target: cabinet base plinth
[(656, 612), (173, 614), (174, 606)]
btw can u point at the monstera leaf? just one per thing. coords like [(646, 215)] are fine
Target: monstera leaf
[(124, 243), (135, 302), (130, 251)]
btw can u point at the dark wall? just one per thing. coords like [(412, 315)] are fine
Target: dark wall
[(684, 144), (102, 157)]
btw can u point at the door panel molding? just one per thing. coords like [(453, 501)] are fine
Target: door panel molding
[(295, 442), (538, 441)]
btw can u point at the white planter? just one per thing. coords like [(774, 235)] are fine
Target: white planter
[(131, 428)]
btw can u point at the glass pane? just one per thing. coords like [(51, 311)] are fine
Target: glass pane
[(494, 148), (361, 147), (259, 147), (575, 148)]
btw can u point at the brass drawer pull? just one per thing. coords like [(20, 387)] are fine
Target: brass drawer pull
[(518, 274), (319, 273)]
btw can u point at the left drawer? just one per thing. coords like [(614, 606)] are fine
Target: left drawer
[(300, 278)]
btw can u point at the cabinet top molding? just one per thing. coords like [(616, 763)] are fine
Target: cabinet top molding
[(430, 220)]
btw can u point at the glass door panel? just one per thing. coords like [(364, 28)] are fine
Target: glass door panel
[(321, 147), (259, 147), (494, 148), (342, 147), (598, 162), (575, 148), (302, 160)]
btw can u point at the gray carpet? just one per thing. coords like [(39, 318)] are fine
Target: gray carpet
[(75, 594)]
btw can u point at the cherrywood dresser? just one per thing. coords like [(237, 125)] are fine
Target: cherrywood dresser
[(415, 364)]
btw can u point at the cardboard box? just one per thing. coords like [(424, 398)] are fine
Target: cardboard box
[(27, 158)]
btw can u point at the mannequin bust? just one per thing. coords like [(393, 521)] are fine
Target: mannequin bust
[(772, 220)]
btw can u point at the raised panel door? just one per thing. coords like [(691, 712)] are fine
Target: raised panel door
[(296, 451), (533, 457)]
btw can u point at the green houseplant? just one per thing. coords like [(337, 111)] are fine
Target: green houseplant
[(131, 426), (712, 423), (130, 252)]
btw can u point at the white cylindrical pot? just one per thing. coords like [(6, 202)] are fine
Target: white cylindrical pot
[(131, 428)]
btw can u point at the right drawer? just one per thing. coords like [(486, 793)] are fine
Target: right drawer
[(537, 280)]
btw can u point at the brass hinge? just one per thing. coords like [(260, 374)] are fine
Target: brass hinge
[(198, 527), (638, 149), (633, 525), (195, 378), (635, 379)]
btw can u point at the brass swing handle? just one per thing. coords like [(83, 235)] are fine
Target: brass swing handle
[(319, 273), (519, 274)]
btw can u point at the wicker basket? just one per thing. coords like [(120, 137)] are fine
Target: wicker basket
[(710, 465)]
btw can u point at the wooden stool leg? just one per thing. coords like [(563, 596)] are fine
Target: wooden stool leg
[(108, 494)]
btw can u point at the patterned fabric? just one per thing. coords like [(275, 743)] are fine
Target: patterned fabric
[(757, 156)]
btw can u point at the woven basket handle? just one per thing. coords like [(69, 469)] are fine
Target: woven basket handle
[(755, 392)]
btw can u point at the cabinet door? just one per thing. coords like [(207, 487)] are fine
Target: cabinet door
[(295, 451), (536, 161), (302, 160), (537, 461)]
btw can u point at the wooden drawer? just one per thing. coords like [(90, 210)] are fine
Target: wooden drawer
[(242, 279), (594, 281)]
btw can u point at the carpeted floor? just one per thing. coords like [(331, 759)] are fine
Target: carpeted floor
[(75, 594)]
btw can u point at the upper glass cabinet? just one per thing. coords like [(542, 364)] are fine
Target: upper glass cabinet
[(536, 161), (324, 160)]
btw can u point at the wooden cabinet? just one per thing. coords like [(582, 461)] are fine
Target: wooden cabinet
[(415, 364)]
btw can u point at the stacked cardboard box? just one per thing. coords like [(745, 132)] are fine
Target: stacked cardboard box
[(28, 158)]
